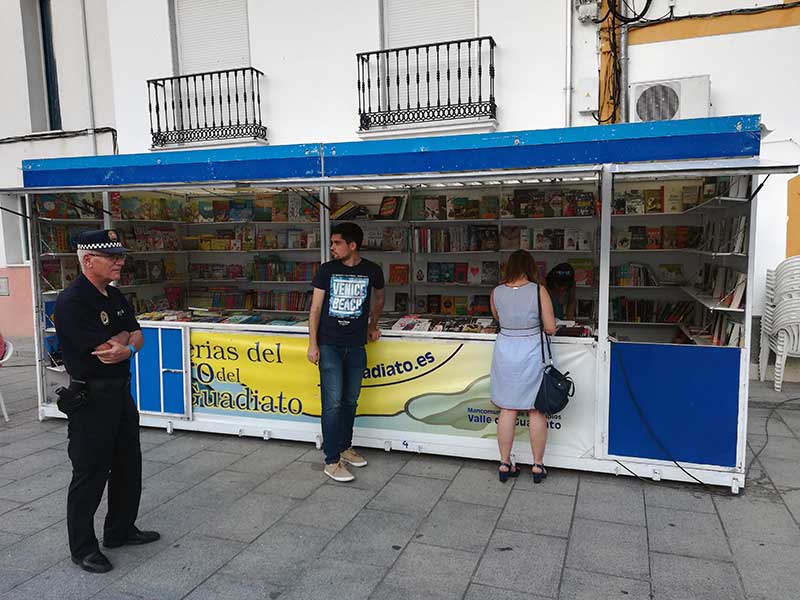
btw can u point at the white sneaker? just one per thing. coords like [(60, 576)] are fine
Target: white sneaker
[(338, 472), (353, 458)]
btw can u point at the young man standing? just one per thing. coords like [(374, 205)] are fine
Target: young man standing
[(347, 302)]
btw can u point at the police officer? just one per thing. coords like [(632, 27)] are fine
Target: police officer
[(98, 334)]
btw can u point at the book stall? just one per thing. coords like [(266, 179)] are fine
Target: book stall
[(224, 247)]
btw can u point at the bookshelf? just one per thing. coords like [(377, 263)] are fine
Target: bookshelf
[(688, 238)]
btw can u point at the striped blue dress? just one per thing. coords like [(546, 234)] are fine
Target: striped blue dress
[(517, 367)]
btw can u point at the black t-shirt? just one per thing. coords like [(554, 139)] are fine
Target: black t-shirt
[(348, 291), (84, 319)]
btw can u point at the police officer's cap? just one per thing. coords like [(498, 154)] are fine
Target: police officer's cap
[(102, 240)]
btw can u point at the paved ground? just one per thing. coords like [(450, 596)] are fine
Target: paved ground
[(246, 519)]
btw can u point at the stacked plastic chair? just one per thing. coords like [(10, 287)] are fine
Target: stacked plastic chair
[(780, 324)]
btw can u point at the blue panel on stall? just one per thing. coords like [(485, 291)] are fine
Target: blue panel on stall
[(630, 142), (149, 372), (172, 358), (298, 161), (134, 386), (686, 403), (661, 140)]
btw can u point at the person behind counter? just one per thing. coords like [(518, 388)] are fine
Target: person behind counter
[(561, 288), (98, 334), (346, 304), (517, 367)]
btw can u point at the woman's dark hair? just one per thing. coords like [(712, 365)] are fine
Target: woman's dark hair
[(561, 274), (519, 264), (350, 233)]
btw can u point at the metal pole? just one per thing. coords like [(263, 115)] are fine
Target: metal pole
[(623, 66), (89, 90)]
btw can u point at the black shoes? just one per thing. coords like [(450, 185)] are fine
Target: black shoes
[(96, 562), (136, 538)]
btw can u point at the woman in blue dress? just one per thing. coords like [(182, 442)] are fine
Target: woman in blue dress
[(517, 358)]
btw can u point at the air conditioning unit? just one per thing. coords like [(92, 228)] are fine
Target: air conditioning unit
[(670, 99)]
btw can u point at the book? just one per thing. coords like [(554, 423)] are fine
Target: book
[(618, 203), (571, 239), (421, 304), (205, 210), (621, 238), (240, 210), (584, 271), (488, 238), (672, 198), (584, 240), (435, 208), (653, 238), (70, 269), (420, 274), (506, 206), (340, 213), (221, 208), (460, 272), (417, 208), (509, 238), (542, 239), (280, 208), (525, 238), (448, 305), (488, 207), (654, 200), (585, 204), (634, 203), (434, 303), (669, 237), (401, 302), (490, 273), (553, 203), (638, 235), (570, 204), (690, 196), (398, 273), (434, 272), (392, 208), (474, 273), (460, 305), (447, 272)]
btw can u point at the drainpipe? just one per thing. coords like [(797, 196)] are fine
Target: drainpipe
[(89, 90), (568, 68), (623, 66)]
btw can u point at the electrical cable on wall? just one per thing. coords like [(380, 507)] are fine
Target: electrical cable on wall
[(55, 135)]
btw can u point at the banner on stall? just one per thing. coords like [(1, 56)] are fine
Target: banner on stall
[(438, 387)]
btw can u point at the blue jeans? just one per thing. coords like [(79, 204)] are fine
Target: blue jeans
[(340, 371)]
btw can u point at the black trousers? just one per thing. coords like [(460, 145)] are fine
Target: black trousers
[(104, 447)]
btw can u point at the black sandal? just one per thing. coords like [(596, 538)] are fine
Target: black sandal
[(542, 474), (513, 471)]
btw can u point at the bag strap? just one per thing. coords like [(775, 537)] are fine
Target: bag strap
[(544, 338)]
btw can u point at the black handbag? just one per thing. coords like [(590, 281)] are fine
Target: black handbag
[(557, 387)]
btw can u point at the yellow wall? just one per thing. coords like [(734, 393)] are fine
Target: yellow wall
[(793, 224), (683, 29)]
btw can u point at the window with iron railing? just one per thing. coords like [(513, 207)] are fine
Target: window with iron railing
[(429, 82), (217, 105)]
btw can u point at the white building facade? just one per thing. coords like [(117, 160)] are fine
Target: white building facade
[(76, 74)]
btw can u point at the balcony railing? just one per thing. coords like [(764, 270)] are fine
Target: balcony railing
[(431, 82), (218, 105)]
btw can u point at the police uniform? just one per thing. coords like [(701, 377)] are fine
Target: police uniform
[(104, 430)]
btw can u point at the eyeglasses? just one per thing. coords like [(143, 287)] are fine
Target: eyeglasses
[(111, 257)]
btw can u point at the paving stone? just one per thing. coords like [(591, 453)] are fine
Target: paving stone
[(6, 539), (663, 496), (686, 533), (37, 552), (11, 577), (267, 459), (458, 525), (784, 473), (199, 466), (409, 495), (543, 513), (33, 444), (437, 467), (427, 572), (37, 462), (248, 517), (757, 520), (510, 552), (179, 568), (776, 447), (381, 468), (757, 424), (38, 485), (622, 479), (610, 548), (330, 506), (219, 490), (173, 520), (478, 486), (326, 579), (583, 585), (280, 555), (156, 492), (37, 515), (242, 446), (177, 449), (681, 577), (156, 437), (559, 481), (221, 586), (65, 580), (23, 431), (477, 591), (372, 537), (791, 498), (151, 467), (296, 480), (613, 503), (768, 570), (7, 505)]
